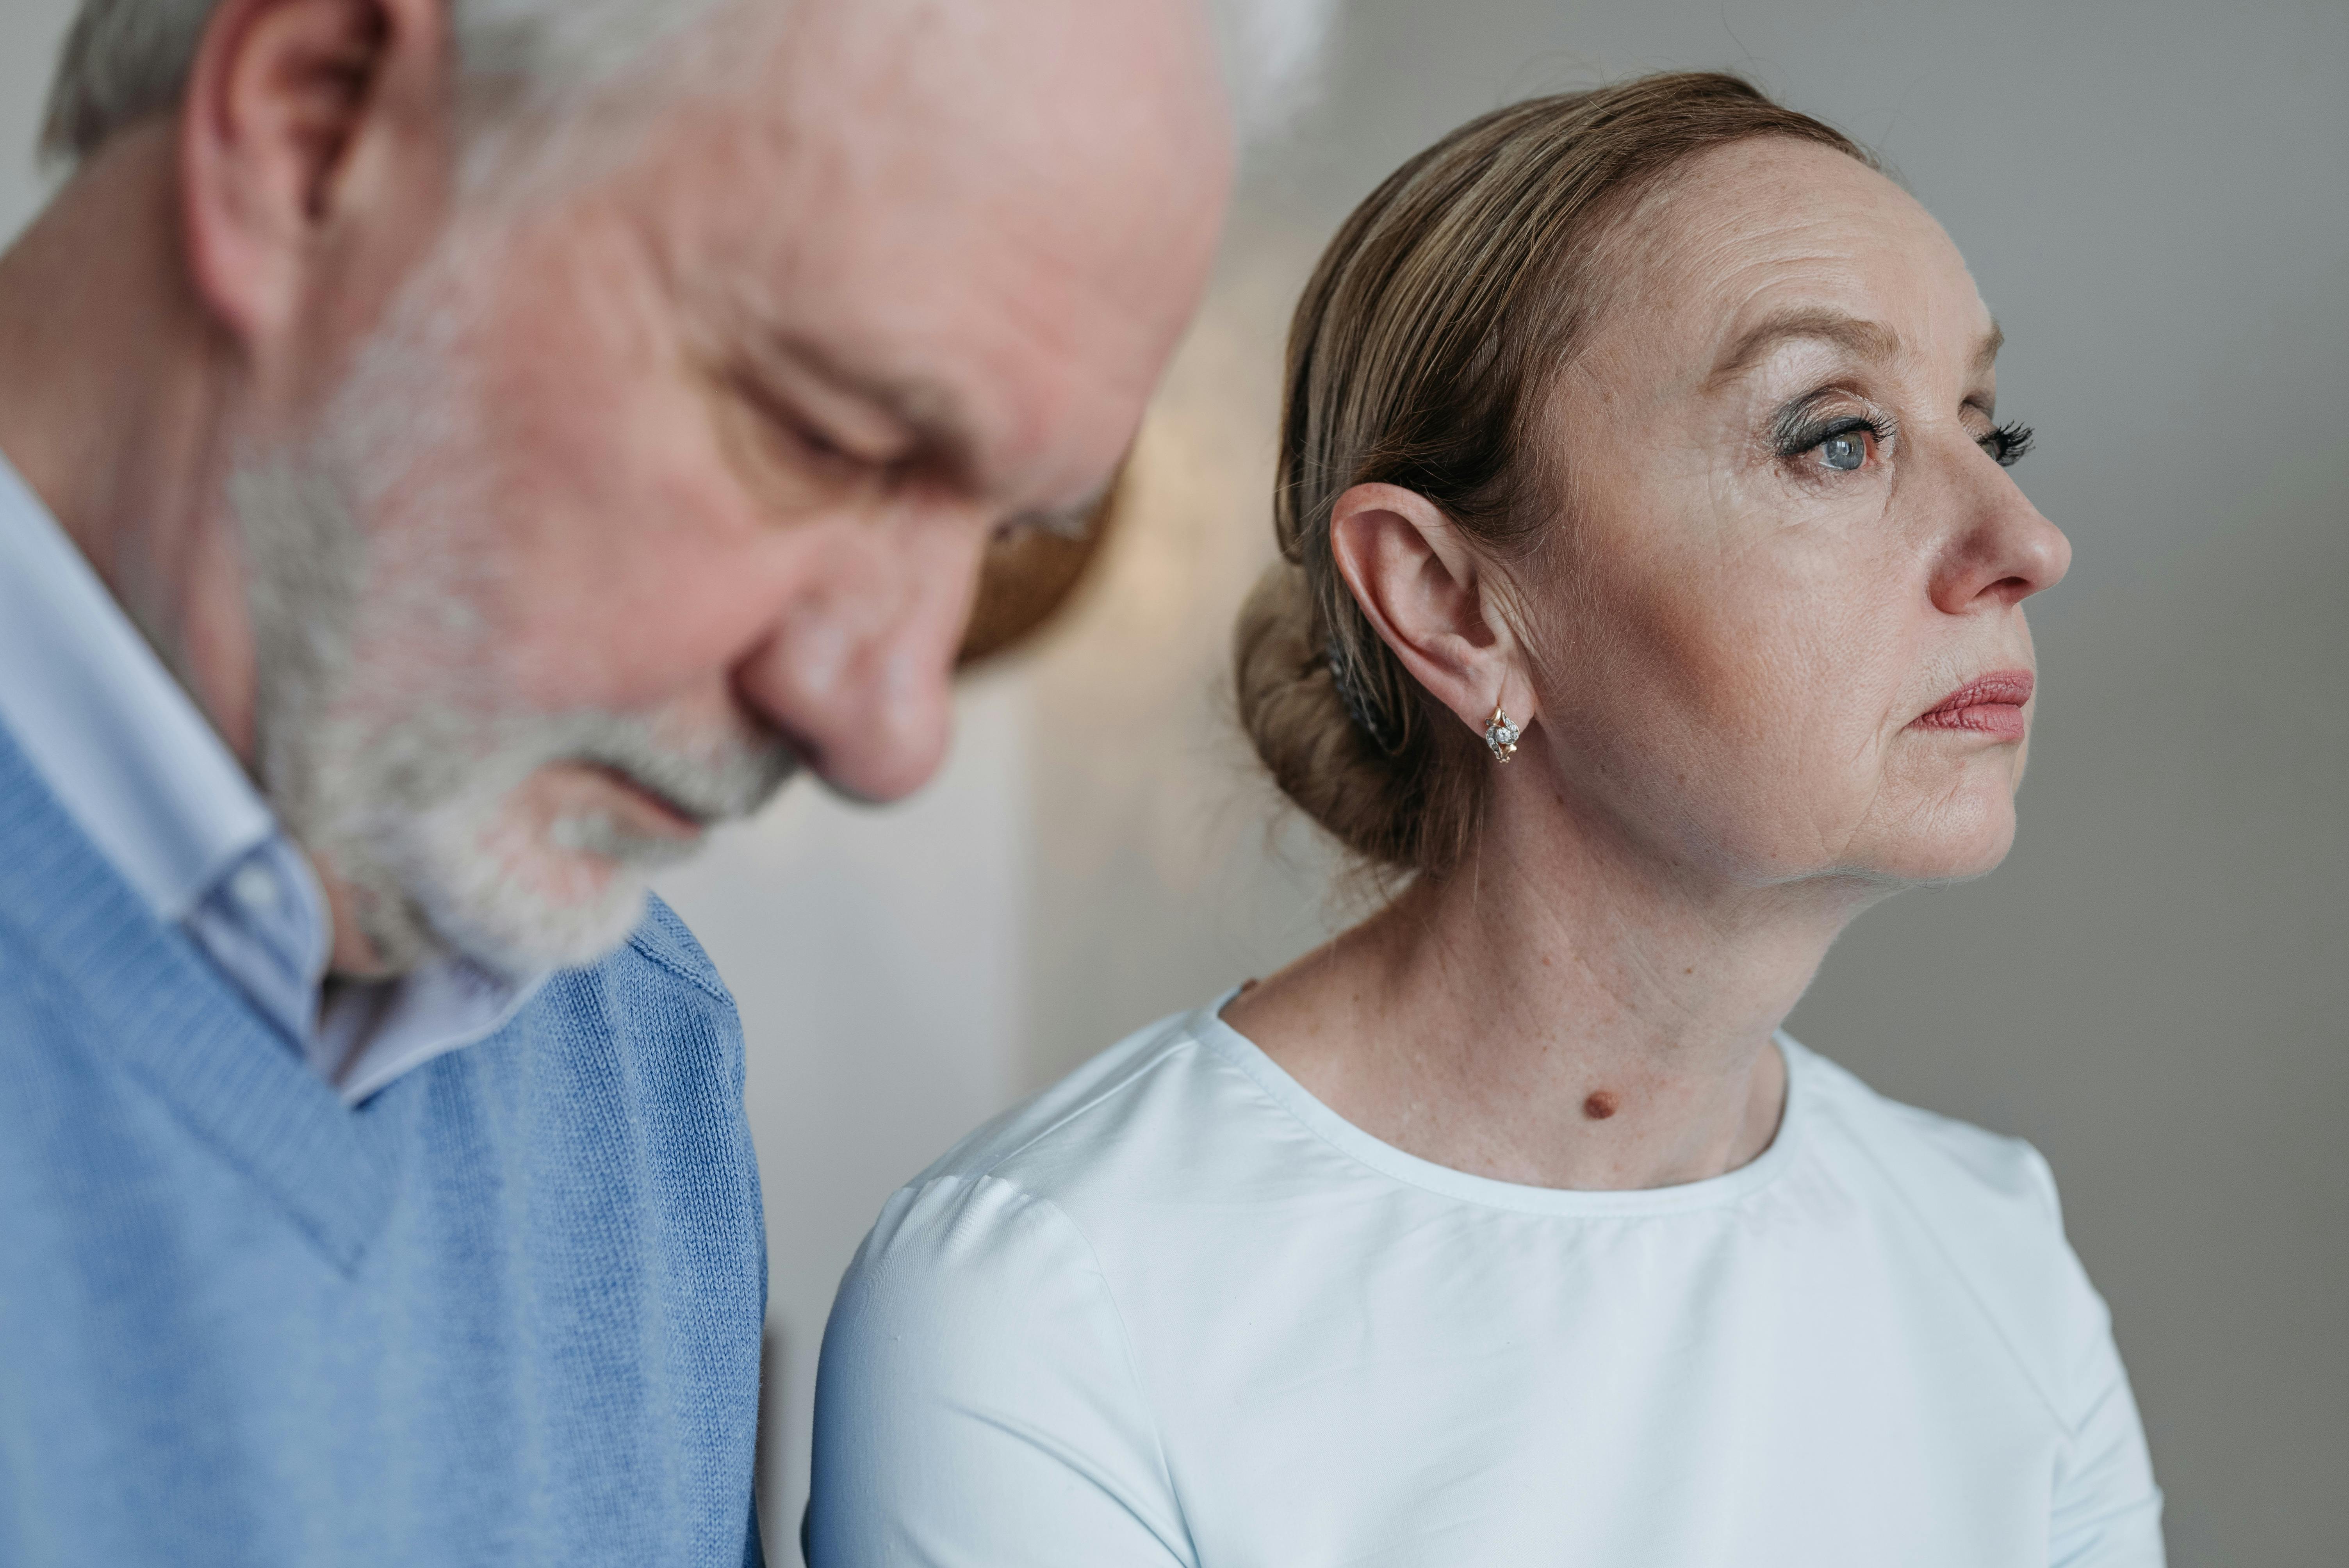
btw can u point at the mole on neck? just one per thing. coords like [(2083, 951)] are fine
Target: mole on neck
[(1599, 1106)]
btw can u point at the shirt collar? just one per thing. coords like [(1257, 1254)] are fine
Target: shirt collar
[(142, 772), (105, 724)]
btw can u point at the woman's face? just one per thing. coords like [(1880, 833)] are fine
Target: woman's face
[(1780, 635)]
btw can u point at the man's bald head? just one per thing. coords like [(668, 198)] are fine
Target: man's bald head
[(125, 60)]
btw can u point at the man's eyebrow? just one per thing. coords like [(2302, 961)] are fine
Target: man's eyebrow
[(1867, 339), (930, 415)]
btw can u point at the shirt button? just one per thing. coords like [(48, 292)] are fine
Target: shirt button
[(254, 888)]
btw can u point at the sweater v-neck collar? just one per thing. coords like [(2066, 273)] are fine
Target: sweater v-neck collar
[(167, 1019)]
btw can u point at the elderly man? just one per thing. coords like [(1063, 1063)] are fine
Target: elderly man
[(455, 451)]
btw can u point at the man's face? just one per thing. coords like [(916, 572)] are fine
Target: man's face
[(666, 484)]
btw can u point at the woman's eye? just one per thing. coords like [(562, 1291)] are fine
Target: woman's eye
[(1808, 437), (1845, 450)]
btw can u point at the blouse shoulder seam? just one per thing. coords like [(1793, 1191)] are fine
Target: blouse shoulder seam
[(1134, 1074)]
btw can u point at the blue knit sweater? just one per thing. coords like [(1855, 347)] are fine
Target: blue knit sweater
[(505, 1312)]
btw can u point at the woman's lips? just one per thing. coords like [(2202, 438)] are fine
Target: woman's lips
[(1990, 704)]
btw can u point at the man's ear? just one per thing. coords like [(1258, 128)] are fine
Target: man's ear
[(312, 133), (1431, 599)]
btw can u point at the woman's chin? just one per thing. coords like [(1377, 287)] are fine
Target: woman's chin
[(1949, 845)]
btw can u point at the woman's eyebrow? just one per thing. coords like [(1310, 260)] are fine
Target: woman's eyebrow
[(1857, 336), (1863, 338), (1993, 341), (1847, 332)]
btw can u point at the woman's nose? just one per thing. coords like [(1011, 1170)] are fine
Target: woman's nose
[(858, 671), (1999, 549)]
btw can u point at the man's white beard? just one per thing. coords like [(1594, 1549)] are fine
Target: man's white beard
[(385, 744), (415, 814)]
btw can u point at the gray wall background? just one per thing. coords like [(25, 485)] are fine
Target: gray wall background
[(2154, 198)]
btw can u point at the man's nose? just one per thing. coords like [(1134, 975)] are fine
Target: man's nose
[(858, 671)]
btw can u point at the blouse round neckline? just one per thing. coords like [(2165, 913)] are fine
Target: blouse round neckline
[(1350, 1141)]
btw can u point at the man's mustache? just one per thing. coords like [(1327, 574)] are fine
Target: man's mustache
[(723, 780)]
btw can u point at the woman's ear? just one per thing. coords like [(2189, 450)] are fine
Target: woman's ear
[(1432, 599), (311, 153)]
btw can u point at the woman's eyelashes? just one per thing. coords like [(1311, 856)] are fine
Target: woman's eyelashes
[(1824, 442), (2007, 443)]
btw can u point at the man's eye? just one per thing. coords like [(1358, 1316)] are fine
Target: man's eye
[(809, 442), (1846, 450), (805, 443)]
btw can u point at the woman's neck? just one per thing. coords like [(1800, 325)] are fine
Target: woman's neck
[(1562, 1011)]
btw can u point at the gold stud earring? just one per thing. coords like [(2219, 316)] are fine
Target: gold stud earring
[(1501, 734)]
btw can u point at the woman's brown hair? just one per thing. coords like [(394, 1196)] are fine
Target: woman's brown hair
[(1421, 356)]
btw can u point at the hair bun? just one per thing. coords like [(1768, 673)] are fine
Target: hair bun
[(1297, 719)]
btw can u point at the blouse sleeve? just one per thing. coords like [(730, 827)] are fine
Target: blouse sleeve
[(2107, 1510), (975, 1403)]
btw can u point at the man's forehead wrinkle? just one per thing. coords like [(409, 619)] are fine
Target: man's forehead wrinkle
[(970, 393), (1017, 322), (832, 47)]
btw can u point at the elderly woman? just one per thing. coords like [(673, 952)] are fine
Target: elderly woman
[(1652, 604)]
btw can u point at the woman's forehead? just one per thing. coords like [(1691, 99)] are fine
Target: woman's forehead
[(1770, 239)]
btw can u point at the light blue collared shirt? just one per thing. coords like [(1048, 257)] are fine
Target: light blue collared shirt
[(134, 761)]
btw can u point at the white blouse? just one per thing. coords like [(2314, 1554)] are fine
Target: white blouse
[(1177, 1311)]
